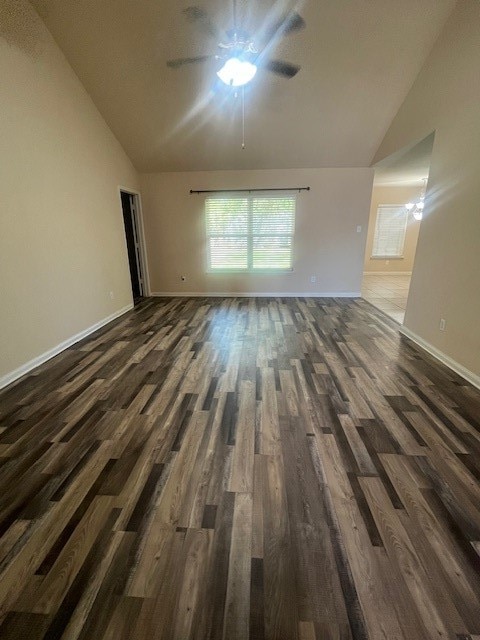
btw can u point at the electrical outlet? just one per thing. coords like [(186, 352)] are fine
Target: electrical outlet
[(112, 295), (443, 324), (359, 228), (313, 279), (183, 278)]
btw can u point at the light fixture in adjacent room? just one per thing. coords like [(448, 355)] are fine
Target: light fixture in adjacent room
[(416, 208), (236, 72)]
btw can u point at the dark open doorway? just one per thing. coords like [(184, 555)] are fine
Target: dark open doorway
[(132, 234)]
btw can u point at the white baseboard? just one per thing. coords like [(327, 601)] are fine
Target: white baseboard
[(387, 273), (47, 355), (462, 371), (268, 294)]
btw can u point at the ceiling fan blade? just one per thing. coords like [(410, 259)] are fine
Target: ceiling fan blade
[(180, 62), (293, 21), (281, 68), (199, 17)]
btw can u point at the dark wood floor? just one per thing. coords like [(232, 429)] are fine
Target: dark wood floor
[(238, 468)]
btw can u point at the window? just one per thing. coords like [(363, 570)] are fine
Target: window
[(250, 233), (390, 231)]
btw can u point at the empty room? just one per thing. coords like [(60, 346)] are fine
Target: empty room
[(239, 320)]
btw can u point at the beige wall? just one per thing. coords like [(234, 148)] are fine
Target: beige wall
[(393, 195), (326, 244), (446, 278), (62, 246)]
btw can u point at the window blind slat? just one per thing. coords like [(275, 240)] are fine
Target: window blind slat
[(250, 233), (390, 229)]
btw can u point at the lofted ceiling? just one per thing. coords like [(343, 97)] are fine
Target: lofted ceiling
[(358, 58), (406, 167)]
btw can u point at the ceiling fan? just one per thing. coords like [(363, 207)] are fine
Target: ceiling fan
[(240, 53)]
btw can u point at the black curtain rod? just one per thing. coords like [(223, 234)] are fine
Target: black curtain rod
[(247, 190)]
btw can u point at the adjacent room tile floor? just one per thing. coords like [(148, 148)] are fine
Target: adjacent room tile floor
[(388, 293)]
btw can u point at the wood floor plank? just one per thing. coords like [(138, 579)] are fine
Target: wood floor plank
[(281, 617), (380, 618), (402, 552), (269, 431), (197, 555), (241, 468), (237, 601), (465, 589), (84, 606), (55, 585), (258, 508), (241, 479)]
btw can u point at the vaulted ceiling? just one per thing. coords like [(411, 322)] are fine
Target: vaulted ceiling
[(358, 60), (406, 167)]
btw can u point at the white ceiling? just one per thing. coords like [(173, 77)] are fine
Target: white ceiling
[(358, 57)]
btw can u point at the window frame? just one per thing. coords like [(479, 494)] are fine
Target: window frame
[(250, 235), (400, 256)]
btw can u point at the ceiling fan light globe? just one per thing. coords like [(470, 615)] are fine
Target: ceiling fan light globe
[(236, 73), (409, 206), (418, 214)]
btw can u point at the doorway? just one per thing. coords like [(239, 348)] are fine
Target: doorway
[(398, 198), (131, 221)]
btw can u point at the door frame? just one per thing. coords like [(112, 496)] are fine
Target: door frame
[(142, 246)]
